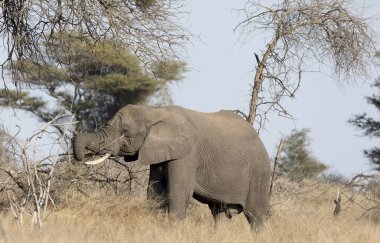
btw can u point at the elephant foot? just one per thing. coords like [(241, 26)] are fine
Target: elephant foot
[(256, 222), (177, 215)]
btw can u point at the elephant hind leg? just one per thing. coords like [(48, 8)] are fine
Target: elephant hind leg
[(256, 205), (256, 212), (255, 221)]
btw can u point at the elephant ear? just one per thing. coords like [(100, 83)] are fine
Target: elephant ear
[(167, 140)]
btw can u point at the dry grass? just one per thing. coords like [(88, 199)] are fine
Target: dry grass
[(301, 214)]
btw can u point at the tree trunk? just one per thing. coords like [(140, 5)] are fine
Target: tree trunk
[(258, 81)]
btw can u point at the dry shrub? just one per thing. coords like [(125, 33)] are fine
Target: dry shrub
[(31, 186), (109, 178), (11, 183), (366, 195)]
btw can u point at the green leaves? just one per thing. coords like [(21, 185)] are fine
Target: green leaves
[(370, 126), (21, 100), (169, 70), (93, 81), (297, 160)]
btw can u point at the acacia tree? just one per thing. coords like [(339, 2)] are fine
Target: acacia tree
[(331, 32), (148, 28), (91, 83), (297, 162), (84, 91)]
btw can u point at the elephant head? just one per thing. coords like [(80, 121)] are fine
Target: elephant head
[(141, 133)]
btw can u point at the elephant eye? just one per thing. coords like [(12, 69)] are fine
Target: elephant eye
[(126, 133), (123, 148)]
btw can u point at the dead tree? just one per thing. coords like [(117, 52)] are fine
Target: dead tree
[(275, 167), (330, 32)]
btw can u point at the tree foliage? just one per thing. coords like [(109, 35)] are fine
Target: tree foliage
[(148, 28), (329, 32), (297, 162), (370, 126), (90, 82)]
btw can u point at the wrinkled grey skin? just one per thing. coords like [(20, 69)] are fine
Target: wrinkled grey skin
[(217, 158)]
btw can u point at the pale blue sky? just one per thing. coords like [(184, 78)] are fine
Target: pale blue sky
[(220, 76)]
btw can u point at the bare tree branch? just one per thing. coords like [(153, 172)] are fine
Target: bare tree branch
[(31, 173), (331, 32), (151, 29)]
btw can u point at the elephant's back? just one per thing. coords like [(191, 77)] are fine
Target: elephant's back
[(224, 135), (228, 128)]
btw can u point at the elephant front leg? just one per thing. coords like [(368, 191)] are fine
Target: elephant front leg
[(180, 186)]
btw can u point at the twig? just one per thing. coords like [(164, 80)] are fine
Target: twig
[(239, 112)]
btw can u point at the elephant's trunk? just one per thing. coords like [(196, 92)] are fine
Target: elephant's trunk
[(91, 141), (82, 141)]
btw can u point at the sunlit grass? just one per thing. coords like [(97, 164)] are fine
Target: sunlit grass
[(306, 217)]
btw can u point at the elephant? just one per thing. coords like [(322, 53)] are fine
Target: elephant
[(216, 158)]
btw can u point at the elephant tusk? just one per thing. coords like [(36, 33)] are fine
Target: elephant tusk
[(98, 161)]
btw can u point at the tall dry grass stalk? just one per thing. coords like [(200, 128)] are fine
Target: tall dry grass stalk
[(304, 216)]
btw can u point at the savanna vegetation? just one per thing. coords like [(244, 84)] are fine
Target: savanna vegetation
[(93, 57), (107, 203), (299, 212)]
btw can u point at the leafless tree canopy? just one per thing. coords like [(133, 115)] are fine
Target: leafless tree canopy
[(150, 28), (332, 32)]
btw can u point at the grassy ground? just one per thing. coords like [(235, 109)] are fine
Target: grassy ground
[(298, 214)]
